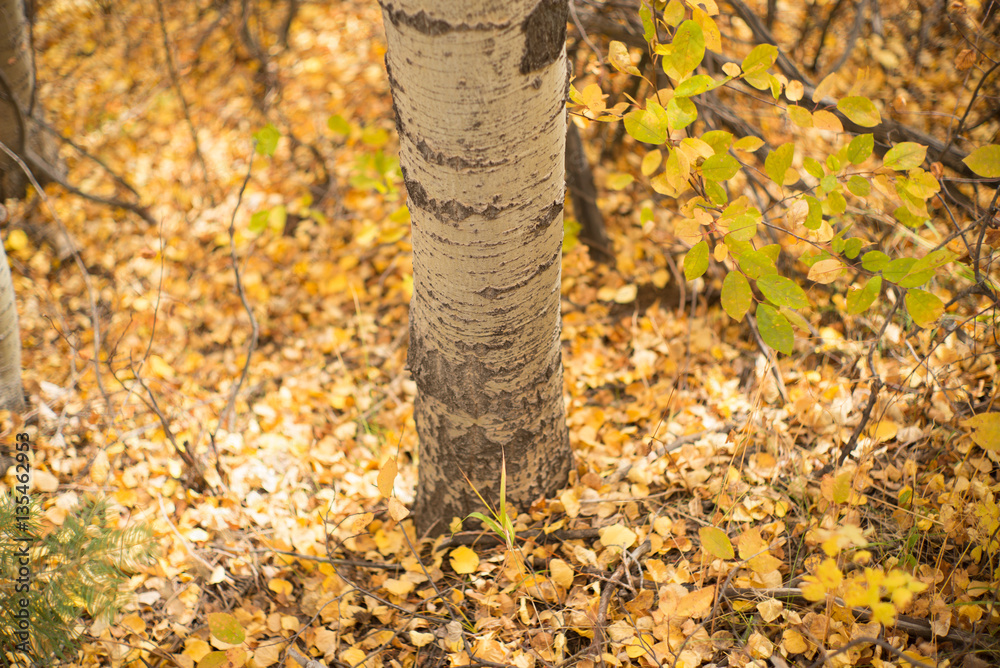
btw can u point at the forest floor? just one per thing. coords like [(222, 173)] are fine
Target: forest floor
[(741, 544)]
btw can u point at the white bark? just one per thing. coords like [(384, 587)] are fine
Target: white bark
[(11, 394), (479, 90)]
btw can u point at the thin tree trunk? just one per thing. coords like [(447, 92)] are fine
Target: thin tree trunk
[(17, 84), (479, 90), (11, 392), (583, 195)]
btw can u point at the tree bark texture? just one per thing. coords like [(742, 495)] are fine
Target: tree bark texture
[(11, 391), (19, 130), (479, 90), (17, 84)]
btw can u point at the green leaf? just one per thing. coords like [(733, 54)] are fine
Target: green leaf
[(715, 542), (775, 329), (736, 295), (744, 226), (874, 261), (860, 110), (648, 27), (800, 116), (681, 112), (339, 125), (813, 167), (853, 246), (782, 291), (673, 13), (226, 628), (904, 155), (860, 148), (795, 318), (814, 219), (829, 183), (748, 144), (898, 268), (756, 264), (258, 221), (924, 269), (695, 85), (696, 261), (761, 58), (860, 300), (619, 180), (267, 139), (719, 140), (925, 308), (772, 251), (215, 659), (836, 204), (647, 125), (778, 162), (720, 167), (858, 185), (688, 47), (985, 161), (716, 193)]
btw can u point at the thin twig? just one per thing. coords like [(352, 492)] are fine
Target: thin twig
[(226, 417), (597, 645), (175, 80)]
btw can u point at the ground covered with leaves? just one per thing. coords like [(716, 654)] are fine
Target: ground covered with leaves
[(711, 519)]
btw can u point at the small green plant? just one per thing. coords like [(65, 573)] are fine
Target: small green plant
[(500, 522), (75, 570)]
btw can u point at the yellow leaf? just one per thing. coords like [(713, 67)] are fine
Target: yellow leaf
[(825, 87), (751, 543), (159, 368), (731, 69), (770, 609), (387, 478), (651, 162), (794, 90), (885, 430), (134, 623), (698, 603), (397, 510), (361, 522), (17, 240), (267, 655), (626, 294), (419, 639), (562, 573), (464, 560), (279, 586), (985, 430), (196, 649), (621, 60), (398, 587), (617, 535), (793, 642), (619, 180), (715, 542), (825, 271)]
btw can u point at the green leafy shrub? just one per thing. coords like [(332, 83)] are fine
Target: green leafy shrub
[(75, 570)]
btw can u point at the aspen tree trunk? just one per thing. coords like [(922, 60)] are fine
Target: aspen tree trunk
[(16, 89), (479, 90), (17, 85), (11, 393)]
